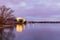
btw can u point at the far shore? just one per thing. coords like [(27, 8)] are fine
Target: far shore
[(43, 21)]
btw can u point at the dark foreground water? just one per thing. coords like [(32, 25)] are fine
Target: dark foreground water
[(31, 32)]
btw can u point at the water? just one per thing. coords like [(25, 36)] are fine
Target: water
[(31, 32)]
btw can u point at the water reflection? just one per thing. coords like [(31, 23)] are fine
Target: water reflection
[(31, 32), (39, 32), (20, 27), (7, 33)]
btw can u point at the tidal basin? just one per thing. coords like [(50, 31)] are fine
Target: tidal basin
[(31, 31)]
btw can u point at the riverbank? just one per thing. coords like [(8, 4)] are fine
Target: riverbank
[(43, 21)]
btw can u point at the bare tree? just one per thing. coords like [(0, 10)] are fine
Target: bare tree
[(5, 13)]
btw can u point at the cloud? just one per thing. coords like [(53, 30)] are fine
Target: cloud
[(51, 18), (21, 5), (30, 4), (34, 8)]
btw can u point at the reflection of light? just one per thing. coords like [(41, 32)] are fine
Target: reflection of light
[(19, 28)]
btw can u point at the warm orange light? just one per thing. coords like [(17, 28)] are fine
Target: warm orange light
[(19, 28), (18, 19), (24, 20)]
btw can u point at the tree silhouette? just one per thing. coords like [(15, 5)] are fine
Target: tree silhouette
[(6, 13)]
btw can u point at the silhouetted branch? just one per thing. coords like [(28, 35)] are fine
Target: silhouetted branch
[(6, 13)]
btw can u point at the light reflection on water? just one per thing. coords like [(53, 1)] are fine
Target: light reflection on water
[(39, 32), (31, 32), (20, 27)]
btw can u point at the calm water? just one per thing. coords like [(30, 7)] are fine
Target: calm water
[(31, 32)]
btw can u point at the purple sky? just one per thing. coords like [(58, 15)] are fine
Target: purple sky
[(34, 9)]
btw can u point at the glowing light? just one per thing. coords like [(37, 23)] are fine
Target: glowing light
[(24, 20), (18, 19), (19, 28)]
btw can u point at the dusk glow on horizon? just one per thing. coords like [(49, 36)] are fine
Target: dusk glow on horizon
[(29, 19), (34, 9)]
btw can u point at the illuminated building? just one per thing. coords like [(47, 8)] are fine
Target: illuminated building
[(21, 20)]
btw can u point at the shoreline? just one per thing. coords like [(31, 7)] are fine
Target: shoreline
[(43, 21)]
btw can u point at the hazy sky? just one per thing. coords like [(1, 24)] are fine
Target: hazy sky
[(31, 9)]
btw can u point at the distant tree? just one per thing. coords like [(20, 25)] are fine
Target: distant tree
[(5, 13)]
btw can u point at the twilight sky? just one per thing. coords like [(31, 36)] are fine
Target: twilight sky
[(35, 9)]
